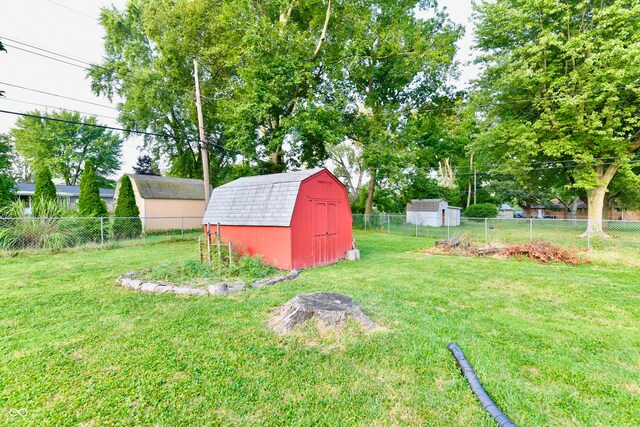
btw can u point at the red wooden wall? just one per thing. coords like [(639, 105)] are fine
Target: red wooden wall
[(272, 243), (322, 222)]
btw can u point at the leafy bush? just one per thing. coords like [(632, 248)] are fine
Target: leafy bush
[(481, 210), (24, 232)]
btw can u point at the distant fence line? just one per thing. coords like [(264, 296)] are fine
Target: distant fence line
[(18, 234), (27, 233), (495, 231)]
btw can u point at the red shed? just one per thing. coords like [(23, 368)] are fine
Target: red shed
[(294, 220)]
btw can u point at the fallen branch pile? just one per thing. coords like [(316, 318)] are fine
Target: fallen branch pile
[(545, 252), (540, 251)]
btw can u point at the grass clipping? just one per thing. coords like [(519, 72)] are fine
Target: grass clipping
[(539, 250)]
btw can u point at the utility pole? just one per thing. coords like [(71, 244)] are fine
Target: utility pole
[(204, 151), (475, 187)]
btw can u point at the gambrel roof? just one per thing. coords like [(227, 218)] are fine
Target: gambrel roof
[(265, 200), (164, 187), (425, 205)]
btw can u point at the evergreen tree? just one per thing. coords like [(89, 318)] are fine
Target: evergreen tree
[(146, 166), (45, 191), (90, 203), (127, 222)]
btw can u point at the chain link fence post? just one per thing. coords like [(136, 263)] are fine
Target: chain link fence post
[(531, 229), (388, 223), (486, 231), (449, 228), (102, 230), (416, 229), (588, 233), (182, 227)]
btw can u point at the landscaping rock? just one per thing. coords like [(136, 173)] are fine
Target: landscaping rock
[(182, 290), (155, 288), (353, 255), (217, 289), (131, 283), (331, 309), (128, 280), (236, 287), (273, 280)]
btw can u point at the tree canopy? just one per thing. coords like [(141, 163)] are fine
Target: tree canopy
[(281, 79), (560, 88), (65, 143)]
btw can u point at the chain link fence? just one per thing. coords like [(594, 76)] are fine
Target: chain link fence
[(27, 233), (621, 235)]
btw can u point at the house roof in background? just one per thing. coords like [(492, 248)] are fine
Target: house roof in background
[(505, 207), (163, 187), (265, 200), (425, 205), (28, 189)]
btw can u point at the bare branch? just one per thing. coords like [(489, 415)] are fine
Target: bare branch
[(324, 32)]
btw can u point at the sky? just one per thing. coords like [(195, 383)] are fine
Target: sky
[(71, 28)]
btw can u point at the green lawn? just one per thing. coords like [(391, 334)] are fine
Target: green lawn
[(553, 345)]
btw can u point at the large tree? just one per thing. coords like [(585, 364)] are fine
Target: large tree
[(149, 51), (560, 83), (65, 143), (396, 62)]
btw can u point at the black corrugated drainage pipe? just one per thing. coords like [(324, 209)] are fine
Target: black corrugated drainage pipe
[(467, 370)]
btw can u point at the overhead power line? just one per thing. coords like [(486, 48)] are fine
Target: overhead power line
[(58, 108), (44, 56), (46, 50), (138, 132), (72, 9), (59, 96)]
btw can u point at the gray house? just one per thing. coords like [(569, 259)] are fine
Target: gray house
[(69, 194)]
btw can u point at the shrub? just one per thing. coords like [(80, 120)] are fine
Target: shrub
[(44, 193), (481, 210), (90, 203), (127, 221), (25, 232)]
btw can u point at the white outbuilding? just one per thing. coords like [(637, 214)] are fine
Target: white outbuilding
[(433, 213), (505, 211)]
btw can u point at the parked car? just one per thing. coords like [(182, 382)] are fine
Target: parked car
[(518, 214)]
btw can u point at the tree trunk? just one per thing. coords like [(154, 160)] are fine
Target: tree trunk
[(595, 201), (372, 187), (574, 210)]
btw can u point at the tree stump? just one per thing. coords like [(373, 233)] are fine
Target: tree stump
[(329, 308)]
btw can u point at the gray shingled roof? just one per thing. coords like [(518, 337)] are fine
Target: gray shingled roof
[(28, 189), (163, 187), (266, 200), (424, 205)]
